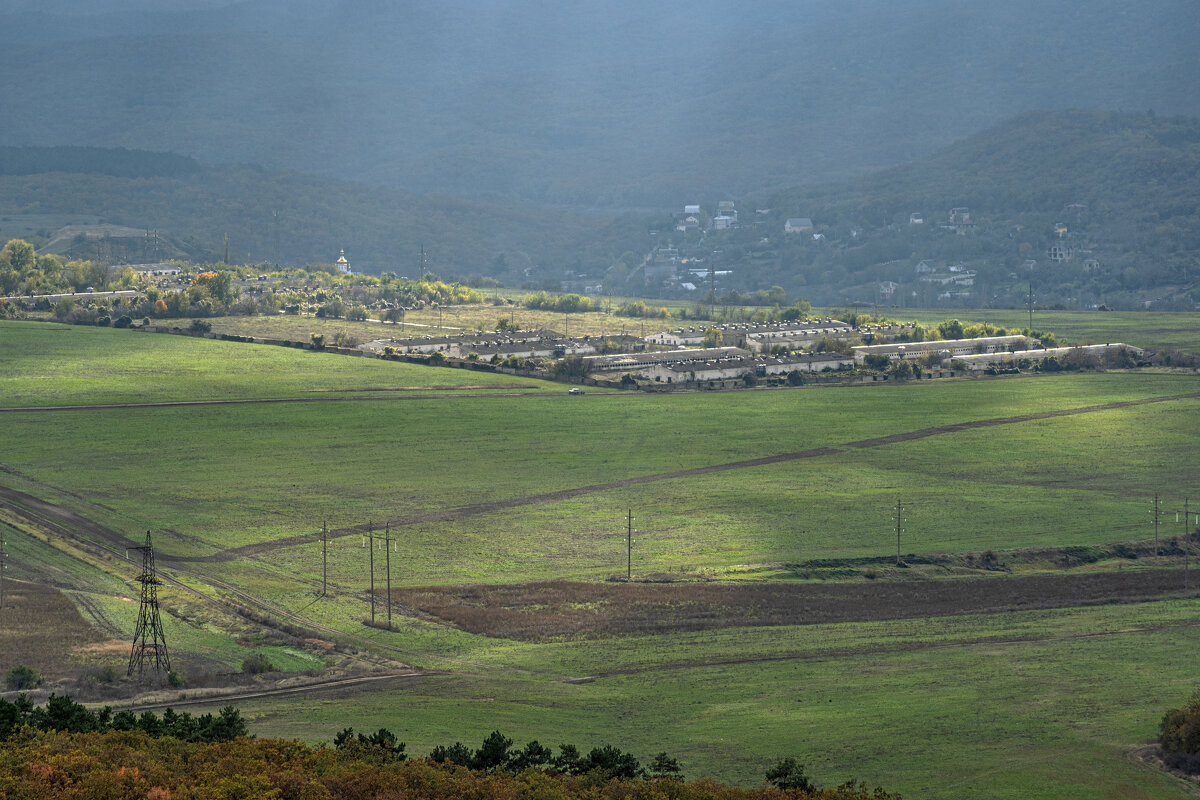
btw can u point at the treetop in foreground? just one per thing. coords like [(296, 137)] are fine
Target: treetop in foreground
[(130, 764)]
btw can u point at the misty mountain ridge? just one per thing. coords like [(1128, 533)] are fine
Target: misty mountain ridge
[(612, 105), (1126, 188)]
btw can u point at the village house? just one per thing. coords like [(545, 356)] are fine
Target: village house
[(798, 225)]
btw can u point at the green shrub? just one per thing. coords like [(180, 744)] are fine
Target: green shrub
[(22, 677), (257, 664)]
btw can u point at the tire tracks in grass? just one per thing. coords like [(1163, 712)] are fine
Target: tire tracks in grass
[(106, 542), (907, 647), (316, 687), (477, 509)]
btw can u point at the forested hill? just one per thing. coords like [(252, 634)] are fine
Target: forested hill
[(294, 218), (1139, 168), (618, 104), (116, 161), (1091, 207)]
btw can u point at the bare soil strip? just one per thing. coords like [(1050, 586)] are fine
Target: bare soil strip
[(566, 494), (558, 610)]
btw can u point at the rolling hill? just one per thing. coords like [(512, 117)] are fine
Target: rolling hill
[(613, 105)]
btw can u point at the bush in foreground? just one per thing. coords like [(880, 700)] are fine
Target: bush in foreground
[(130, 764), (1179, 736)]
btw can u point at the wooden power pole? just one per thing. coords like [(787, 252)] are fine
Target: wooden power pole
[(629, 547), (387, 550)]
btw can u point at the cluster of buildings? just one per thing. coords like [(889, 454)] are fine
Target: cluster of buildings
[(691, 356), (497, 346)]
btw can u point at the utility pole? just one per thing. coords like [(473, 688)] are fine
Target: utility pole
[(371, 537), (387, 549), (3, 566), (629, 547), (1031, 307), (1156, 514), (899, 528), (324, 558), (1185, 545)]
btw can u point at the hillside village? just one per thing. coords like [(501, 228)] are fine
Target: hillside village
[(957, 260), (781, 347)]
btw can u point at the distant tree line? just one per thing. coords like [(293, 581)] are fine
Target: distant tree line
[(116, 161), (61, 713), (98, 742)]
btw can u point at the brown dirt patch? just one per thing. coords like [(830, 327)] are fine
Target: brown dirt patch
[(566, 610), (38, 626)]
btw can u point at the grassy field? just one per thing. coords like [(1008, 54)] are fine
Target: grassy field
[(1020, 705), (235, 475), (1015, 704), (48, 364), (1149, 329)]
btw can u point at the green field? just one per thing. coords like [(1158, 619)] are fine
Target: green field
[(1019, 704), (46, 364), (1001, 706), (1147, 329)]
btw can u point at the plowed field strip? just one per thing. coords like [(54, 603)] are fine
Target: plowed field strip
[(555, 610), (566, 494)]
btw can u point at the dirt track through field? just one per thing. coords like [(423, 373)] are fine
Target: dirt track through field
[(477, 509)]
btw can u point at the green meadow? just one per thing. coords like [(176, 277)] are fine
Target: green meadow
[(1018, 704), (1171, 330), (48, 364)]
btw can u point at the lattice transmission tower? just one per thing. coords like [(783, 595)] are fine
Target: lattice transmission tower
[(149, 643)]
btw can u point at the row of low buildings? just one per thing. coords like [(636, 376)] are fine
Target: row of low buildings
[(523, 344), (711, 364), (683, 364), (980, 361), (952, 348)]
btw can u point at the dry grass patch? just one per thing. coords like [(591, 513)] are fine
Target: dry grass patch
[(39, 625)]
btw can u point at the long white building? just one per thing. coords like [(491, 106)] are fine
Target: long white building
[(947, 348), (981, 361)]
